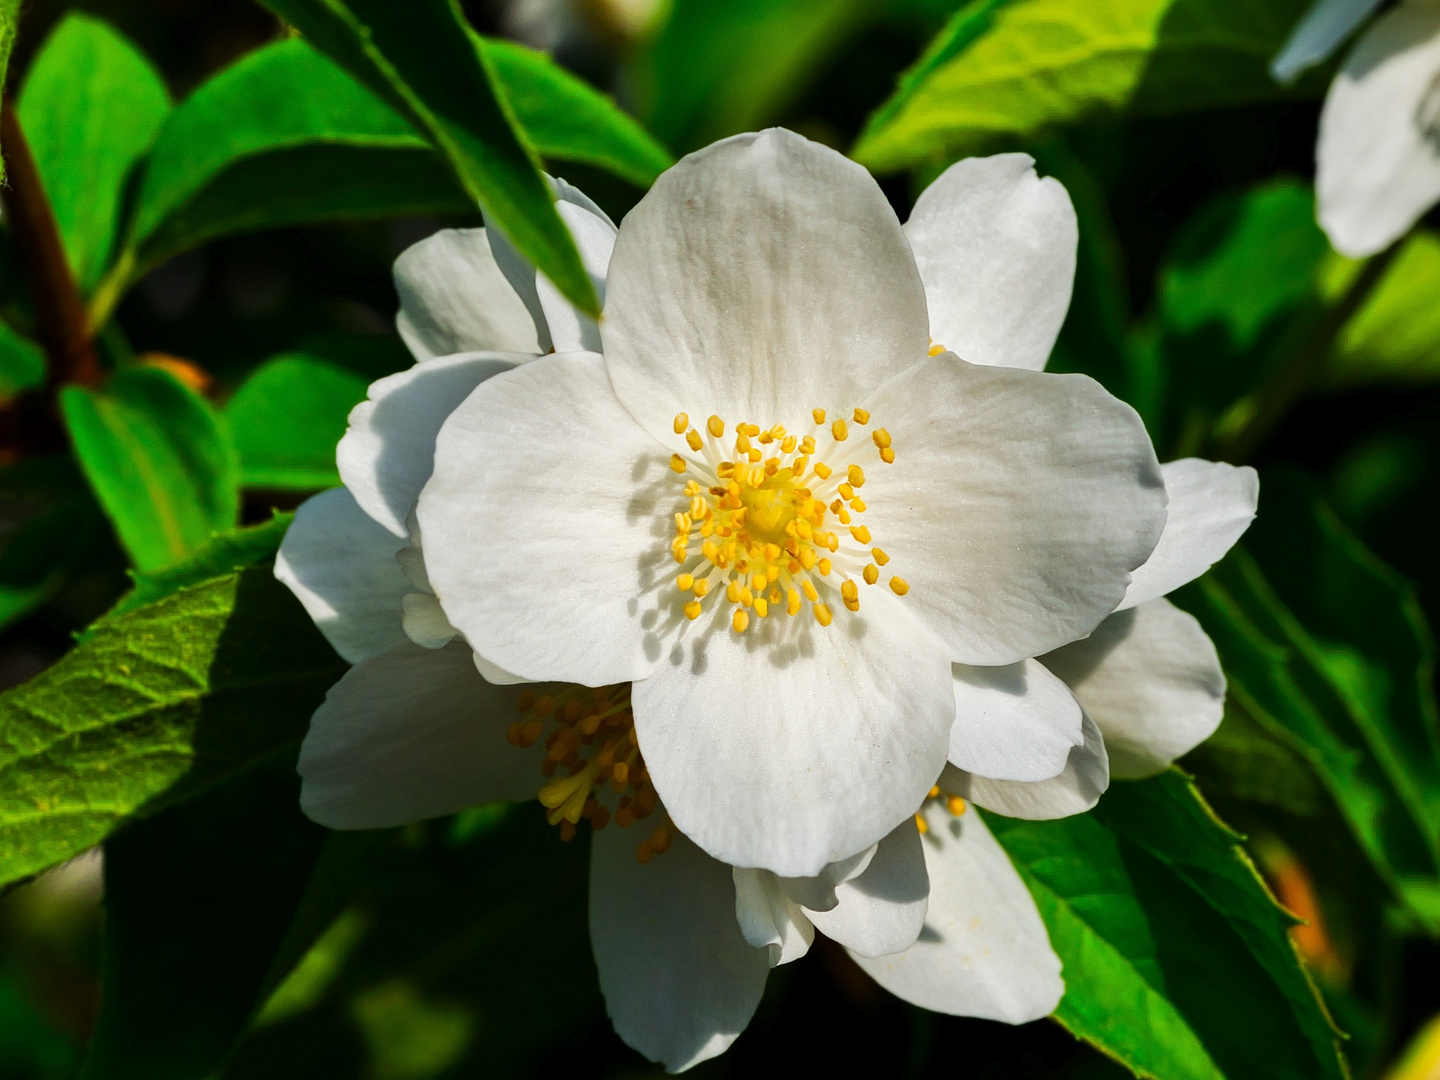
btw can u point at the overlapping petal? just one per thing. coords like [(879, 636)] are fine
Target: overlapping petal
[(759, 278), (1318, 34), (570, 329), (1377, 163), (769, 918), (1017, 722), (540, 521), (340, 563), (411, 733), (1151, 679), (881, 910), (995, 246), (453, 298), (1017, 505), (680, 980), (1076, 789), (983, 950)]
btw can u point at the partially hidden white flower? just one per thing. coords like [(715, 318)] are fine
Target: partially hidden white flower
[(1377, 161)]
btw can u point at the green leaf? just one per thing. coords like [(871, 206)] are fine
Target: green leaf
[(154, 706), (9, 24), (91, 106), (1327, 649), (197, 900), (1008, 71), (1395, 336), (22, 363), (420, 59), (1176, 958), (286, 419), (566, 119), (160, 462)]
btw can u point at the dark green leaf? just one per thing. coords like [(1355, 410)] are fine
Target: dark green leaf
[(92, 104), (159, 459), (9, 24), (420, 59), (22, 363), (197, 901), (286, 419), (1011, 70), (156, 705)]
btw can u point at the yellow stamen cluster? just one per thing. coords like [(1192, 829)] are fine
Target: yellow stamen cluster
[(953, 803), (592, 737), (760, 513)]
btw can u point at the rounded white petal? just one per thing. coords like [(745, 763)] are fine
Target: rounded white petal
[(1151, 680), (1211, 505), (539, 519), (789, 758), (1316, 36), (453, 298), (760, 278), (882, 910), (1377, 164), (425, 622), (386, 453), (769, 918), (995, 245), (818, 893), (983, 950), (1016, 507), (679, 979), (411, 733), (1016, 722), (340, 564), (1075, 790), (497, 675), (570, 330)]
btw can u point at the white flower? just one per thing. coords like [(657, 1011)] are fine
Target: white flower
[(1377, 162), (886, 508)]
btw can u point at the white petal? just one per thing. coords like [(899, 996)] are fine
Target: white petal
[(425, 622), (408, 734), (792, 757), (341, 565), (679, 979), (1151, 680), (1016, 507), (760, 278), (769, 918), (984, 950), (497, 675), (1077, 789), (1377, 164), (1211, 506), (995, 245), (571, 331), (539, 520), (1017, 722), (386, 453), (818, 893), (453, 298), (883, 909), (1316, 36)]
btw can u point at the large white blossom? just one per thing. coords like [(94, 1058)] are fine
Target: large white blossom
[(683, 940), (1377, 161)]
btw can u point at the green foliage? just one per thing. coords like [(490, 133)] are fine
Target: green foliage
[(224, 553), (22, 363), (1395, 336), (286, 419), (9, 23), (159, 459), (420, 59), (156, 705), (91, 107), (1177, 961), (1007, 71)]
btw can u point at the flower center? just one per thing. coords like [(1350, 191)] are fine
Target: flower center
[(953, 803), (592, 737), (760, 514)]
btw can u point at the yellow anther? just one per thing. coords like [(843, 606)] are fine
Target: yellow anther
[(742, 443), (792, 602), (692, 610), (857, 504), (881, 437), (887, 455), (685, 582), (846, 491), (799, 465), (920, 825), (740, 621), (677, 463), (934, 792), (772, 466), (860, 533), (754, 454), (857, 476), (732, 592), (766, 438), (702, 586), (880, 557), (936, 350), (851, 595), (681, 423), (899, 586), (693, 440), (822, 615), (761, 607), (752, 430), (839, 431), (862, 416), (678, 550), (788, 446), (715, 426), (772, 551), (810, 593), (682, 524), (757, 581), (660, 840), (822, 470), (819, 415), (871, 574), (725, 470), (711, 551), (777, 432), (747, 598), (824, 567), (807, 557), (955, 804)]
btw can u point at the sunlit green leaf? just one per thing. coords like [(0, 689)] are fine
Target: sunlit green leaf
[(222, 554), (1395, 336), (159, 459)]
